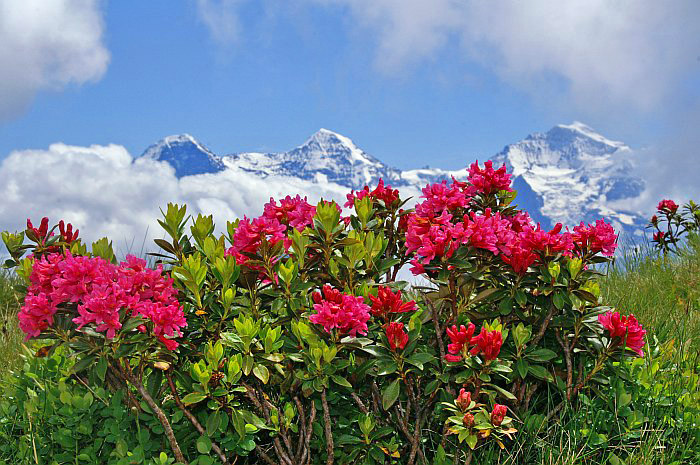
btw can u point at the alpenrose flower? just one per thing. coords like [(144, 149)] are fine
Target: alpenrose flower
[(624, 330), (460, 340), (387, 303), (294, 212), (487, 343), (384, 193), (335, 310), (498, 414), (397, 336), (667, 206), (595, 238), (658, 236), (100, 291), (249, 236), (488, 180)]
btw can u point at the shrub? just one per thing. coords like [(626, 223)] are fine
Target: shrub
[(290, 339), (671, 223)]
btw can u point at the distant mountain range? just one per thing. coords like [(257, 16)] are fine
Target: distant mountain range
[(568, 174)]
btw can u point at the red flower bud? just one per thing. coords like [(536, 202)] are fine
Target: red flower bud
[(396, 335), (463, 399), (498, 414), (468, 420)]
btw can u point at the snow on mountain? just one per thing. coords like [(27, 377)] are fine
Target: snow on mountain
[(568, 174), (571, 173), (326, 155), (185, 154)]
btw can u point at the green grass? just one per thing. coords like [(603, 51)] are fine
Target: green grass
[(10, 335)]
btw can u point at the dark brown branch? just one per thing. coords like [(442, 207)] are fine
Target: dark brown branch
[(193, 419), (264, 456), (438, 330), (545, 324), (327, 428), (159, 414)]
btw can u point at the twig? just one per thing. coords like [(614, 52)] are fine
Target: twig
[(327, 428), (192, 418)]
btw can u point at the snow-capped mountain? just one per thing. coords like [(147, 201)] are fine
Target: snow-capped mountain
[(326, 156), (186, 154), (568, 174), (571, 173)]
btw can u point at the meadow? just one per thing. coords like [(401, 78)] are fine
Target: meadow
[(655, 421)]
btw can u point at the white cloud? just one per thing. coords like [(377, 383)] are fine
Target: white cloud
[(47, 44), (221, 18), (104, 192), (631, 53)]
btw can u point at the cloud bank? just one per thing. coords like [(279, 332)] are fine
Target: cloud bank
[(47, 45), (104, 191)]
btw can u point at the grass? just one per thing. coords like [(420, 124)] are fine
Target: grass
[(664, 294), (10, 334)]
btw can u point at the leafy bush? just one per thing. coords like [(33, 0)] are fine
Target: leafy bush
[(289, 339), (670, 224)]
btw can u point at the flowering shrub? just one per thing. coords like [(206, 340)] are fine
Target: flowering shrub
[(671, 223), (290, 340)]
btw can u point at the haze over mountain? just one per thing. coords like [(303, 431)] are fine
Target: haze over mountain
[(568, 174)]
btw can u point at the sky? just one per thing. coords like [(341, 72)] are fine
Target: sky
[(412, 82)]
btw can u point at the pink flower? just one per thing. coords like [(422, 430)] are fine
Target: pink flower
[(520, 259), (397, 336), (667, 206), (294, 212), (498, 414), (460, 339), (439, 198), (384, 193), (547, 242), (487, 180), (388, 302), (344, 312), (488, 343), (249, 236), (599, 237), (658, 236), (624, 329), (654, 219), (40, 234), (36, 314), (67, 233)]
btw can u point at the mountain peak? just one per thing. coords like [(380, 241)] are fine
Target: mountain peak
[(582, 129), (185, 154)]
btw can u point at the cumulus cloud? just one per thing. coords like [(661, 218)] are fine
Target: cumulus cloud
[(630, 52), (47, 44), (105, 192)]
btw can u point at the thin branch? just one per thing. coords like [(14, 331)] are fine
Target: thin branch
[(327, 427)]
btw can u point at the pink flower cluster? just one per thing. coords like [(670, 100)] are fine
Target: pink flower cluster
[(624, 330), (487, 180), (488, 343), (100, 290), (595, 238), (667, 206), (335, 310), (384, 193), (272, 226)]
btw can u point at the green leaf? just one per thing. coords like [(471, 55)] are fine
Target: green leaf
[(238, 423), (213, 423), (101, 368), (203, 445), (471, 441), (262, 373), (540, 372), (341, 381), (390, 394), (193, 398), (522, 367), (541, 355)]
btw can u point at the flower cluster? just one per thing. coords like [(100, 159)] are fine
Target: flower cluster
[(387, 303), (624, 330), (487, 342), (293, 212), (667, 206), (487, 180), (250, 235), (384, 193), (498, 414), (335, 310), (42, 233), (595, 238), (100, 290)]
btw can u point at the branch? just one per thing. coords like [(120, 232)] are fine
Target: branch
[(545, 323), (159, 414), (327, 428), (192, 418)]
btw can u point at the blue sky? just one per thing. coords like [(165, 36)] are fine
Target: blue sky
[(278, 72)]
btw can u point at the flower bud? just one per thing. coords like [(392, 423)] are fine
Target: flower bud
[(498, 414), (468, 420), (463, 399)]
